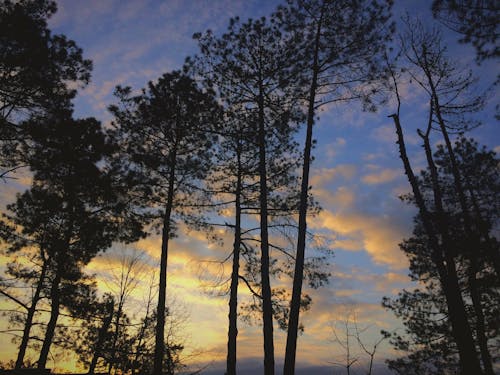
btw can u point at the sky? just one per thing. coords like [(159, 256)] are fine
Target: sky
[(357, 178)]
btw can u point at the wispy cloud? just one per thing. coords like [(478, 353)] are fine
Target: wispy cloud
[(382, 176)]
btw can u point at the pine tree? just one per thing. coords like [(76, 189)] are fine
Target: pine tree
[(476, 21), (336, 48), (250, 70), (429, 343), (72, 209), (166, 134), (36, 69)]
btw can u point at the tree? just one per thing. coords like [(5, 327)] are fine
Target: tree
[(166, 135), (250, 70), (91, 344), (442, 257), (130, 272), (430, 343), (451, 103), (441, 82), (36, 69), (476, 21), (348, 336), (236, 162), (337, 46), (34, 275), (74, 221)]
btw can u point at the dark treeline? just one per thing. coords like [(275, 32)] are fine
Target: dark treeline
[(215, 145)]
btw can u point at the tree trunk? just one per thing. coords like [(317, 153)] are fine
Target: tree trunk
[(233, 299), (474, 237), (298, 276), (492, 252), (51, 326), (31, 313), (116, 333), (480, 323), (472, 281), (470, 233), (447, 273), (162, 290), (101, 337), (143, 329), (267, 309)]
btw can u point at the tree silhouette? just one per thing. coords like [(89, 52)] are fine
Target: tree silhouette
[(18, 240), (336, 48), (452, 99), (36, 69), (249, 68), (476, 21), (74, 221), (450, 104), (430, 342), (166, 134)]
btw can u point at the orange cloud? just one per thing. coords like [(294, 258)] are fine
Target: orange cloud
[(380, 235), (342, 197)]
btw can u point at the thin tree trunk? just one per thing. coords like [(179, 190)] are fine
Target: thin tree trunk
[(116, 333), (101, 337), (293, 322), (142, 331), (470, 233), (480, 323), (233, 299), (162, 290), (472, 281), (447, 273), (55, 295), (267, 309), (31, 314), (492, 252)]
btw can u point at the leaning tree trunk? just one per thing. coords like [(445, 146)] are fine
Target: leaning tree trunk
[(461, 330), (233, 299), (298, 276), (162, 290), (142, 331), (55, 295), (116, 333), (492, 253), (471, 273), (101, 337), (471, 233), (31, 314)]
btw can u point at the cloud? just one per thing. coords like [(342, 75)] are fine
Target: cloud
[(381, 177), (340, 198), (324, 175), (333, 148), (387, 134), (380, 235), (347, 292)]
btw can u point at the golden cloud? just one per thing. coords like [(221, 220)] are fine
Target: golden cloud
[(340, 198), (379, 234)]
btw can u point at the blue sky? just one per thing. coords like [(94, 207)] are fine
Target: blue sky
[(357, 175)]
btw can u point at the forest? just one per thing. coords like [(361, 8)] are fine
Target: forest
[(102, 214)]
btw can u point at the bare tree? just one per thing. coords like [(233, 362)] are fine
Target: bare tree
[(348, 336)]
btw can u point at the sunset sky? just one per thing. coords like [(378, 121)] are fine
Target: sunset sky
[(357, 178)]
